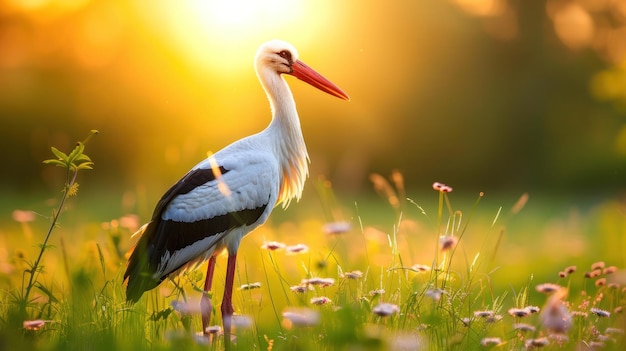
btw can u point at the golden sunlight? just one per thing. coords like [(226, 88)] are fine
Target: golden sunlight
[(220, 13), (233, 28), (573, 25)]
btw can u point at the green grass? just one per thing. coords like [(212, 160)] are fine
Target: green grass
[(499, 258)]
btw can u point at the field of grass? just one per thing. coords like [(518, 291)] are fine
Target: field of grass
[(386, 273)]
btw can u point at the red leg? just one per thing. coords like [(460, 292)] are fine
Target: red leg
[(227, 301), (206, 307)]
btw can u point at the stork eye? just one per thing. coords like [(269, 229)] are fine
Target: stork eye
[(286, 55)]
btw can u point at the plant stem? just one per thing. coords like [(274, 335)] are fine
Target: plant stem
[(71, 177)]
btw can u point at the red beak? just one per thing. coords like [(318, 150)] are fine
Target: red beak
[(308, 75)]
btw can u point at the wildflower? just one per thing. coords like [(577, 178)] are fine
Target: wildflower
[(612, 331), (562, 274), (270, 342), (296, 249), (337, 227), (250, 286), (466, 321), (420, 268), (321, 300), (302, 317), (601, 282), (272, 245), (300, 288), (213, 329), (241, 321), (618, 309), (494, 318), (609, 270), (323, 282), (600, 313), (580, 314), (519, 312), (594, 273), (377, 292), (547, 288), (442, 187), (555, 316), (560, 339), (385, 309), (22, 216), (539, 342), (491, 341), (596, 345), (532, 309), (570, 269), (447, 242), (597, 265), (524, 327), (434, 294), (35, 324), (352, 275), (483, 314)]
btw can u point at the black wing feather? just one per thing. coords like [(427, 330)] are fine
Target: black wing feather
[(186, 184), (160, 235)]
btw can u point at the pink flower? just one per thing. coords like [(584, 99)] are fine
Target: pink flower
[(250, 286), (22, 216), (385, 309), (337, 227), (420, 268), (434, 294), (300, 288), (377, 292), (352, 275), (35, 324), (296, 249), (321, 300), (600, 313), (518, 312), (447, 242), (547, 288), (213, 329), (491, 341), (272, 245), (323, 282), (302, 317), (442, 187)]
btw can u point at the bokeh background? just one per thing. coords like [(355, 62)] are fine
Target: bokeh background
[(506, 96)]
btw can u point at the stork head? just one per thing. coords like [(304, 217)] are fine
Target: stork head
[(282, 58)]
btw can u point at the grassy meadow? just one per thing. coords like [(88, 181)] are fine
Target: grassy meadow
[(438, 270)]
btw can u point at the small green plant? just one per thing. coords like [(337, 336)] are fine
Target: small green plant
[(73, 162)]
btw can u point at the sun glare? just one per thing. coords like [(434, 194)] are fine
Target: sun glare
[(218, 13), (234, 28)]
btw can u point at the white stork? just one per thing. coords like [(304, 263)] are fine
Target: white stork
[(230, 193)]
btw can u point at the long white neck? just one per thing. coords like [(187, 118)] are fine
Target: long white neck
[(286, 136)]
